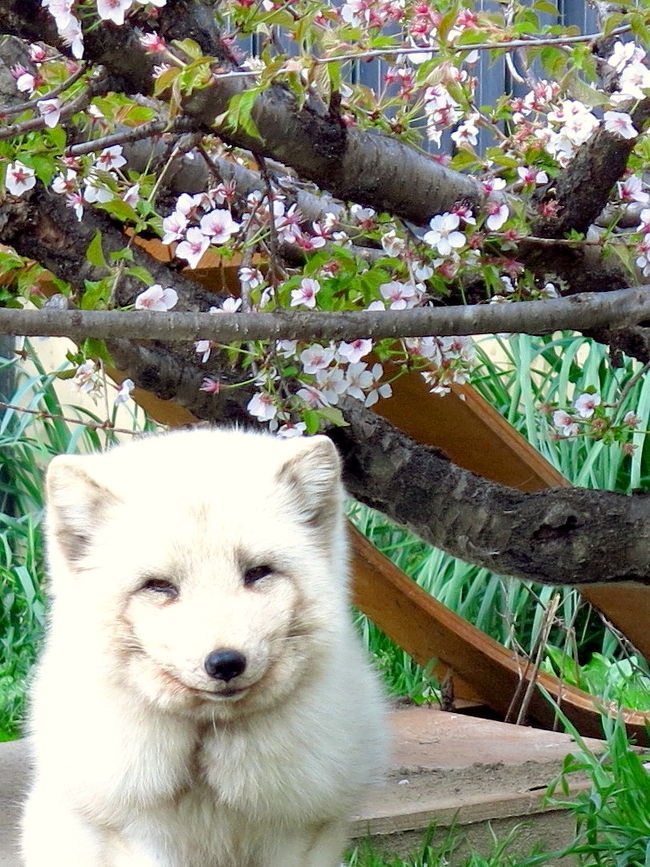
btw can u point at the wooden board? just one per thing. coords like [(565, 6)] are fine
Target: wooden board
[(478, 438)]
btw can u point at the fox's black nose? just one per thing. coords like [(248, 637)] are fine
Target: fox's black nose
[(225, 664)]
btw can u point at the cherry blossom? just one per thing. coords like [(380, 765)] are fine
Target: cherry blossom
[(305, 294), (95, 191), (25, 81), (379, 389), (566, 423), (37, 53), (622, 54), (358, 380), (65, 183), (19, 178), (113, 10), (392, 244), (444, 235), (50, 111), (316, 357), (211, 386), (124, 393), (228, 305), (354, 351), (157, 298), (250, 278), (286, 348), (174, 227), (400, 295), (292, 429), (331, 383), (111, 158), (586, 403), (498, 214), (262, 406), (76, 202), (619, 123), (218, 225), (643, 259), (531, 175), (132, 195), (153, 43), (631, 190), (72, 35), (311, 396), (635, 80), (88, 379), (203, 348), (193, 247), (467, 133)]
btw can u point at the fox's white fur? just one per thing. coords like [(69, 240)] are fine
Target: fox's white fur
[(143, 759)]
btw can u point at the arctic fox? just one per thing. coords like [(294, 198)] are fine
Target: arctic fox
[(202, 700)]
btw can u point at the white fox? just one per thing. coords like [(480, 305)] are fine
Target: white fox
[(203, 699)]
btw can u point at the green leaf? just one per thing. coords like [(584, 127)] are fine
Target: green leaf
[(140, 273), (96, 293), (333, 415), (94, 348), (239, 113), (94, 252), (119, 209), (311, 420), (165, 80), (544, 6), (189, 47)]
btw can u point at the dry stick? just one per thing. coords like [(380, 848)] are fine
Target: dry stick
[(148, 130), (527, 683), (549, 617), (274, 244), (93, 425), (508, 45), (621, 307)]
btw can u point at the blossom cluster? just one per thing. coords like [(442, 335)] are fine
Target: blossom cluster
[(69, 26), (94, 184), (591, 417), (197, 222)]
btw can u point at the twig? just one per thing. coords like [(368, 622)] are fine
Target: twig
[(629, 385), (511, 44), (156, 127), (9, 110), (67, 110), (93, 425), (274, 244)]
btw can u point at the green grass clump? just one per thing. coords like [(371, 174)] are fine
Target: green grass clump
[(533, 373), (27, 443)]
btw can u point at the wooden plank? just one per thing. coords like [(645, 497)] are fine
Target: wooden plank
[(478, 438), (428, 630)]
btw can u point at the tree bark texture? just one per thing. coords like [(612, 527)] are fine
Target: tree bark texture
[(558, 536)]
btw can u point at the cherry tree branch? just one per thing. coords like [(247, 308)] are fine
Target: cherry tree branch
[(575, 312), (506, 45), (130, 135), (9, 110), (96, 84)]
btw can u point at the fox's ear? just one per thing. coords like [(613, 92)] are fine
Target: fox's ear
[(77, 504), (312, 477)]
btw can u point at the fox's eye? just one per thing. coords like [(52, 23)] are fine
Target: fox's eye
[(256, 573), (160, 586)]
